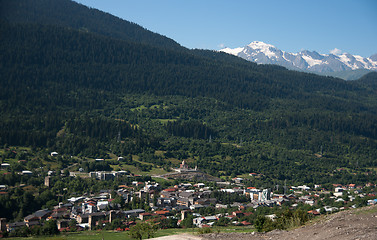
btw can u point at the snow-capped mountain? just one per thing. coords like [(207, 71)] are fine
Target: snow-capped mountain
[(261, 52)]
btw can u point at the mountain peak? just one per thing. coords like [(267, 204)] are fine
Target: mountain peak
[(260, 45), (305, 60)]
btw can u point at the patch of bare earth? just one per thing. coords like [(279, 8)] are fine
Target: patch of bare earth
[(183, 236)]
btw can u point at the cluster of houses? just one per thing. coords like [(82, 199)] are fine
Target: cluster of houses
[(6, 166), (209, 221), (91, 211), (183, 197), (104, 175)]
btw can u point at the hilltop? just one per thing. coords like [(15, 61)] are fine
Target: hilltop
[(73, 15)]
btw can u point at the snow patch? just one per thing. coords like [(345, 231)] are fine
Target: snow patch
[(312, 62), (361, 59), (260, 45), (285, 57), (264, 48), (346, 60)]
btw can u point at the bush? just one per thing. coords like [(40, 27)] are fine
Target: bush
[(50, 228), (205, 230), (263, 224), (141, 230)]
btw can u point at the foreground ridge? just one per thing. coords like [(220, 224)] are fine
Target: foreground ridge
[(350, 224)]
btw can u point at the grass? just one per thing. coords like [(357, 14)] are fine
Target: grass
[(245, 176), (242, 229), (157, 171), (159, 153), (174, 231), (83, 175), (142, 107), (162, 180), (129, 168), (112, 235), (51, 164), (135, 170), (165, 121), (87, 235)]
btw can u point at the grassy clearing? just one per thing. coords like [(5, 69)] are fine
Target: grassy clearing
[(245, 176), (157, 171), (155, 106), (52, 165), (135, 170), (111, 235), (130, 168), (174, 231), (87, 235), (162, 180), (165, 121), (142, 107), (230, 229), (159, 153), (174, 161)]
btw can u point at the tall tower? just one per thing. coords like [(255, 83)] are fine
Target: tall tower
[(3, 223), (183, 214), (48, 181)]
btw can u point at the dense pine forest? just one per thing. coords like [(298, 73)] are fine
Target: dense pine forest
[(95, 86)]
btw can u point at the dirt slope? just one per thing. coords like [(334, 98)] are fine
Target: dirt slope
[(346, 225)]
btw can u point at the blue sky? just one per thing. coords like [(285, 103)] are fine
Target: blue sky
[(290, 25)]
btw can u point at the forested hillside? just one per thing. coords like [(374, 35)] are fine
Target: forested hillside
[(93, 94), (369, 80), (70, 14)]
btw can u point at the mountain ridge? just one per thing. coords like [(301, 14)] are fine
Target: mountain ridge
[(77, 16), (305, 60)]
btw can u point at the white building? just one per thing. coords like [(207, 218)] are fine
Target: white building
[(5, 165), (26, 172), (259, 195), (54, 154)]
